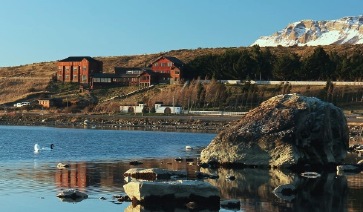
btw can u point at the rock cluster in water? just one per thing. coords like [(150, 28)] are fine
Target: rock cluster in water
[(285, 131)]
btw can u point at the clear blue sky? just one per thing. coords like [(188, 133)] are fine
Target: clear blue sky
[(48, 30)]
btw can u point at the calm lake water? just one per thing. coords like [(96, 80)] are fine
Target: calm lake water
[(98, 158)]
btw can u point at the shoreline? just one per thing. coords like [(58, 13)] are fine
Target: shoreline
[(209, 124), (169, 123)]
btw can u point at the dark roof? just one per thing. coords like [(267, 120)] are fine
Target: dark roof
[(78, 59), (128, 68), (178, 63), (129, 75), (149, 71), (175, 60), (105, 75), (123, 70)]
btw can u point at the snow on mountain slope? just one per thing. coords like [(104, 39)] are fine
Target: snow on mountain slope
[(314, 33)]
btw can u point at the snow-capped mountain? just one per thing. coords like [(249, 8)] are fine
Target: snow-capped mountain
[(314, 33)]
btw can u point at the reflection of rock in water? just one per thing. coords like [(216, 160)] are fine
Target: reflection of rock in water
[(285, 192), (326, 193), (248, 182), (132, 208), (254, 187)]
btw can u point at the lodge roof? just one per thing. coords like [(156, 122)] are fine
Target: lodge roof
[(124, 70), (148, 71), (111, 75), (177, 63), (105, 75), (78, 59)]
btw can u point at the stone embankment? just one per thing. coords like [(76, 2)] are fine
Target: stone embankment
[(120, 122)]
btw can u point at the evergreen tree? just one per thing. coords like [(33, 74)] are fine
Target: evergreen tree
[(286, 67), (317, 66)]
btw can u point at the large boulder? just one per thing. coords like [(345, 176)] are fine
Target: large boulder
[(285, 131)]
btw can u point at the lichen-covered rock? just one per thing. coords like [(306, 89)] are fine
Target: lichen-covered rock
[(174, 193), (72, 195), (284, 131), (153, 173)]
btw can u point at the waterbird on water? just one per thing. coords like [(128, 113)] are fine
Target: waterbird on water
[(37, 148), (188, 148)]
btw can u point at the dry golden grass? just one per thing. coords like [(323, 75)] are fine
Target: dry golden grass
[(20, 81), (14, 89)]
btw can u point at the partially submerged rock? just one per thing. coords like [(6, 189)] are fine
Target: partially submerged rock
[(232, 204), (135, 163), (284, 131), (310, 174), (153, 173), (202, 175), (348, 169), (72, 195), (62, 166), (173, 193), (285, 192)]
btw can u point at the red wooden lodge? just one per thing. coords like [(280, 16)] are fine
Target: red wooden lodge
[(78, 69), (87, 70)]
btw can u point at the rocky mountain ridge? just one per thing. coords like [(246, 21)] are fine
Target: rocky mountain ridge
[(347, 30)]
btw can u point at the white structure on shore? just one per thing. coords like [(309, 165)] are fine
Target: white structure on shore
[(133, 109), (159, 108)]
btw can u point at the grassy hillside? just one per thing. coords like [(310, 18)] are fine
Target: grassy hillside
[(20, 82)]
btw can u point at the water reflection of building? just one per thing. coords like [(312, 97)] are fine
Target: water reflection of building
[(253, 187), (73, 177), (110, 175)]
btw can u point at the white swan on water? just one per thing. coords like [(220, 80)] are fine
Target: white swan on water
[(37, 148)]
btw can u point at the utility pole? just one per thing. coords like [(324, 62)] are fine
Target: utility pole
[(174, 104)]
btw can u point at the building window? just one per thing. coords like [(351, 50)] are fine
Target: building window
[(60, 68), (163, 64), (84, 78), (75, 68), (84, 68), (108, 80), (155, 64), (67, 68), (170, 64), (74, 76)]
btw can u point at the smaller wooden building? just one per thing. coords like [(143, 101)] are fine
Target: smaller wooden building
[(45, 103), (124, 77), (170, 69)]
